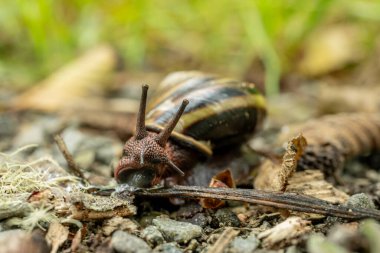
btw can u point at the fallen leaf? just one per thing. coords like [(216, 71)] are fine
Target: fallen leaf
[(71, 83)]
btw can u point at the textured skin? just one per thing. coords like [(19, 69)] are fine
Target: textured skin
[(146, 153)]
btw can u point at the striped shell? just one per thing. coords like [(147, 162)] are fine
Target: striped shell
[(221, 110)]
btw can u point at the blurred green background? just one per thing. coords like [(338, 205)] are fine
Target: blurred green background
[(223, 36)]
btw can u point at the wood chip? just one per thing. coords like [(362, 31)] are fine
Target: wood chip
[(224, 239), (56, 236), (284, 233)]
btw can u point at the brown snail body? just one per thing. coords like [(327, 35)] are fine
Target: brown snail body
[(213, 112)]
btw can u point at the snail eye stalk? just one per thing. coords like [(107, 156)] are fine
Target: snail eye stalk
[(140, 124), (165, 133)]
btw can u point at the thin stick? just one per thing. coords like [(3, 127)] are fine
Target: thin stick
[(224, 239), (289, 201), (72, 166)]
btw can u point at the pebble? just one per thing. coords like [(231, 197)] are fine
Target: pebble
[(360, 200), (171, 247), (176, 230), (241, 245), (225, 218), (123, 242), (14, 241), (200, 219), (8, 125), (152, 235)]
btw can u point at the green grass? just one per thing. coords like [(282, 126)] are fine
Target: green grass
[(217, 35)]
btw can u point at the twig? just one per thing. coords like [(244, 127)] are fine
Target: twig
[(223, 240), (72, 166), (289, 201)]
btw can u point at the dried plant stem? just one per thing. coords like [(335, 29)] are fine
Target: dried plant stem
[(224, 239), (289, 201), (72, 166)]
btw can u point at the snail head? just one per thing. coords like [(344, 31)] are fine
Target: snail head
[(145, 160)]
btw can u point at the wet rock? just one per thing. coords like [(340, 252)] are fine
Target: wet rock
[(176, 230), (152, 235), (14, 241), (241, 245), (123, 242), (171, 247), (225, 218), (360, 200)]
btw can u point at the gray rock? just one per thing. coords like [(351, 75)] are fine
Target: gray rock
[(123, 242), (225, 218), (176, 230), (360, 200), (171, 247), (241, 245), (73, 138), (152, 235), (8, 125), (200, 219)]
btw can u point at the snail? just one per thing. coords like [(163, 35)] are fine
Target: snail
[(190, 115)]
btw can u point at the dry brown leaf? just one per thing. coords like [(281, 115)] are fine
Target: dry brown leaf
[(56, 236), (274, 176), (72, 82), (222, 179), (284, 233)]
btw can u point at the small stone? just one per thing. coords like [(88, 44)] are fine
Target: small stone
[(370, 229), (241, 245), (123, 242), (317, 243), (13, 241), (152, 235), (176, 230), (8, 125), (171, 247), (225, 218), (360, 200), (85, 158), (200, 219), (107, 152)]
